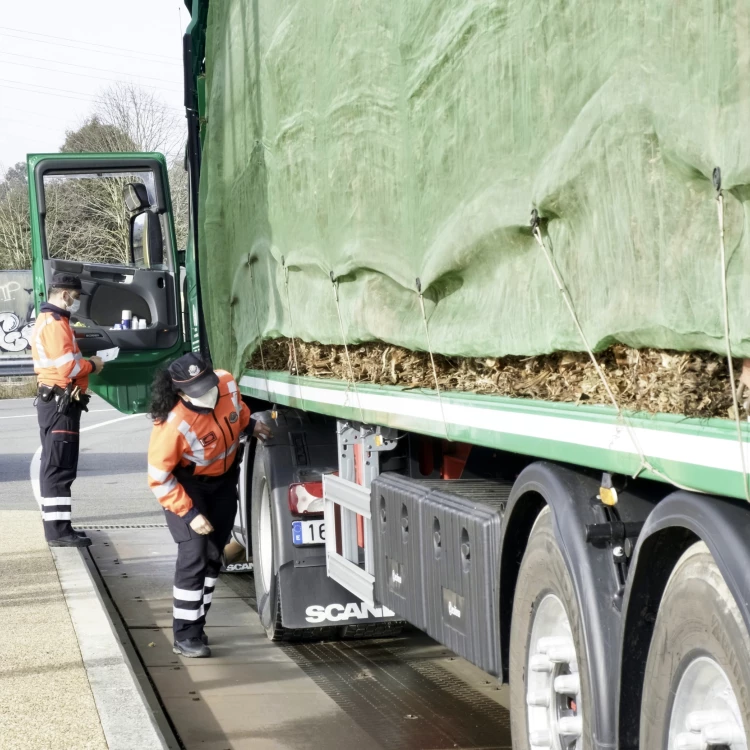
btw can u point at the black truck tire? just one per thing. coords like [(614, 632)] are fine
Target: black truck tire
[(544, 593), (264, 558), (243, 535), (698, 631), (265, 573)]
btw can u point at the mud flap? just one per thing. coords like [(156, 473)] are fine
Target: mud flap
[(238, 567), (309, 598), (233, 559)]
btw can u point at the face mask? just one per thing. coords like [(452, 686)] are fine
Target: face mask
[(74, 306), (207, 400)]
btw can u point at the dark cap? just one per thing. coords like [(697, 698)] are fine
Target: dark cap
[(192, 375), (66, 281)]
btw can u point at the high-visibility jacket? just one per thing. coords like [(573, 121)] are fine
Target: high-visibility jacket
[(201, 441), (57, 358)]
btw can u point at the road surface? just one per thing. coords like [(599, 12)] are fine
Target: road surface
[(407, 693)]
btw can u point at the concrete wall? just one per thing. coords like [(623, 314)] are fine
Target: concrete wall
[(16, 313)]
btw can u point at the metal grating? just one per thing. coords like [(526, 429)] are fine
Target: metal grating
[(404, 703), (114, 527)]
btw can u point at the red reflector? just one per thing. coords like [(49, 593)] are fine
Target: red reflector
[(306, 497)]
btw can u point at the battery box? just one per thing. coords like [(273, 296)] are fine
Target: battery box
[(437, 546)]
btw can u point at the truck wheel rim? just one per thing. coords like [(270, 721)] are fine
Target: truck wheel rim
[(553, 694), (705, 711), (265, 538)]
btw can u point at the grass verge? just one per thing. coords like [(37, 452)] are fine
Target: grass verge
[(17, 387)]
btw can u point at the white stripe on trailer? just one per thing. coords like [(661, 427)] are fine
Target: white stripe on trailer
[(664, 444)]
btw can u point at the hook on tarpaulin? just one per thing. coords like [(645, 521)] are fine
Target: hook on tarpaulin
[(257, 323), (645, 464), (418, 283), (737, 393), (291, 323), (535, 222), (335, 283)]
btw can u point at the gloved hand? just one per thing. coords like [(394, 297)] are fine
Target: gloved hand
[(98, 364), (261, 431), (201, 525)]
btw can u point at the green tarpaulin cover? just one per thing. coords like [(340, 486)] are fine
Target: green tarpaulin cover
[(390, 140)]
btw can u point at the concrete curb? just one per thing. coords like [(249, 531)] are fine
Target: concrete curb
[(126, 718)]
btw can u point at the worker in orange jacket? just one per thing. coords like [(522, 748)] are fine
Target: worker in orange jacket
[(62, 377), (199, 417)]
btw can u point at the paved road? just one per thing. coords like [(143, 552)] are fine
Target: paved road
[(401, 694), (111, 486), (44, 673)]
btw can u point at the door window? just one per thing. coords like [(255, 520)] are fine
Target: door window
[(111, 227), (88, 221), (106, 219)]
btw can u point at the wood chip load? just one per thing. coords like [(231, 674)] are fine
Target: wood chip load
[(694, 384)]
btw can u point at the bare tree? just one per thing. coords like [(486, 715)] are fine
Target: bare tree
[(99, 136), (15, 229), (151, 126), (14, 177), (86, 218), (179, 190), (147, 121)]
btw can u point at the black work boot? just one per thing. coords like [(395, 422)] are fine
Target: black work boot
[(70, 540), (191, 647), (82, 534), (204, 638)]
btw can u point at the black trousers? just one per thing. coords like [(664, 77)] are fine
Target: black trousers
[(199, 555), (59, 465)]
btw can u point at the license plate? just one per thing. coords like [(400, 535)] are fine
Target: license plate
[(308, 532)]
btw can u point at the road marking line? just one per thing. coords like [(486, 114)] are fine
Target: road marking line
[(110, 421), (33, 414)]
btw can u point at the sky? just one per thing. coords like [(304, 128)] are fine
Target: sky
[(56, 58)]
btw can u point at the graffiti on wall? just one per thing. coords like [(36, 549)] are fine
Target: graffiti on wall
[(16, 311)]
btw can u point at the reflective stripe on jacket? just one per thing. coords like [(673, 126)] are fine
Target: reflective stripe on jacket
[(204, 441), (57, 358)]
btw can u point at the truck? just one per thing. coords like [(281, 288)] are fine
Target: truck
[(473, 181)]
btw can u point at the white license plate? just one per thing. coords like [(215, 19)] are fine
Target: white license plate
[(308, 532)]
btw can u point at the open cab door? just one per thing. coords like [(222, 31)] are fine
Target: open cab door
[(107, 218)]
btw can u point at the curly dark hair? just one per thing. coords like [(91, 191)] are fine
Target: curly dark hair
[(163, 396)]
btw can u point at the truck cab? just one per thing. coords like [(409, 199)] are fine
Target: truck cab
[(136, 272)]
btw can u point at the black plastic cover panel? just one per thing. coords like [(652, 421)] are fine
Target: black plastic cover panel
[(437, 560)]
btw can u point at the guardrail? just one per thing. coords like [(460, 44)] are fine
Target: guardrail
[(15, 367)]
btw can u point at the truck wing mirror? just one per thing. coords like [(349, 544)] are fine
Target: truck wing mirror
[(135, 196), (146, 241)]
